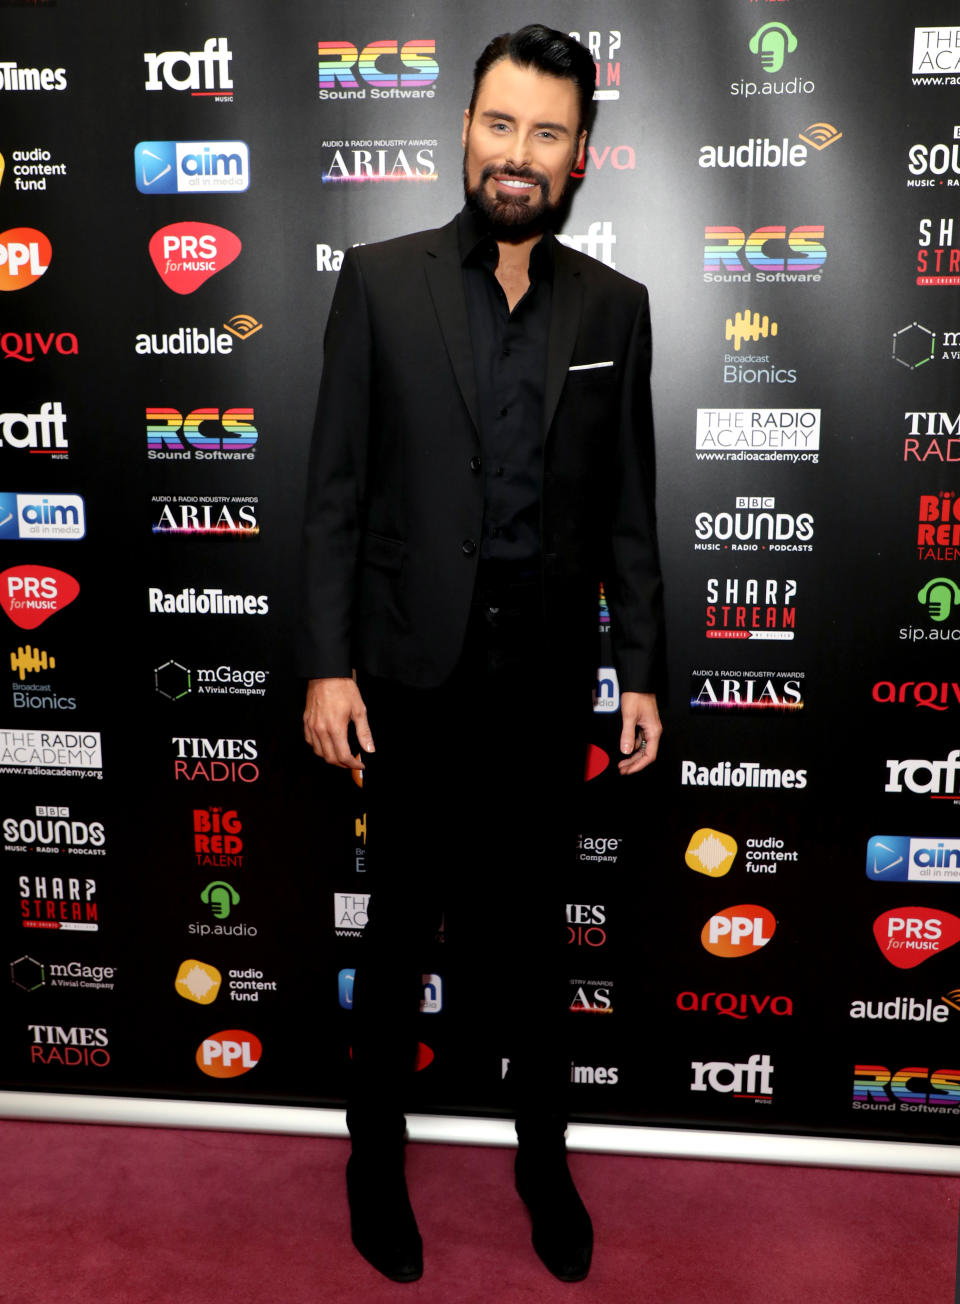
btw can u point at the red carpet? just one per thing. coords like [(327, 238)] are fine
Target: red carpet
[(115, 1215)]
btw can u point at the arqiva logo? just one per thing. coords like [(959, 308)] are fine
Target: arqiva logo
[(912, 934), (25, 255), (738, 930), (228, 1054), (32, 594), (186, 254)]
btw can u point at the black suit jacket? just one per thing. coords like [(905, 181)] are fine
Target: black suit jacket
[(394, 505)]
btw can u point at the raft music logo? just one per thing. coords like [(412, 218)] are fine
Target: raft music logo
[(935, 165), (762, 152), (751, 1080), (215, 760), (939, 780), (217, 843), (914, 860), (788, 435), (74, 1047), (32, 168), (596, 242), (909, 1090), (375, 160), (938, 527), (42, 516), (30, 345), (222, 515), (754, 526), (745, 691), (912, 934), (774, 44), (50, 830), (14, 78), (603, 45), (938, 252), (186, 254), (381, 70), (32, 594), (229, 1054), (204, 73), (64, 904), (190, 167), (206, 434), (43, 432), (767, 255), (25, 254), (751, 608), (936, 56), (932, 436), (73, 754)]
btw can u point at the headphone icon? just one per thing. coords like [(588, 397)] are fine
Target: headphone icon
[(773, 42), (220, 897), (939, 596)]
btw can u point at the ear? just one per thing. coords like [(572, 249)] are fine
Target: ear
[(466, 128), (581, 151)]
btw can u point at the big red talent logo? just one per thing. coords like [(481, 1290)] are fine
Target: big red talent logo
[(603, 45), (222, 515), (50, 830), (382, 70), (37, 432), (935, 165), (217, 843), (939, 433), (912, 1090), (936, 56), (751, 608), (938, 258), (738, 931), (25, 254), (758, 435), (767, 254), (586, 924), (32, 594), (389, 159), (26, 347), (747, 691), (208, 602), (204, 435), (746, 774), (50, 901), (938, 527), (228, 1054), (75, 1047), (915, 860), (748, 1081), (203, 72), (74, 755), (912, 934), (754, 526), (935, 697), (936, 779), (186, 254), (217, 760), (740, 1006)]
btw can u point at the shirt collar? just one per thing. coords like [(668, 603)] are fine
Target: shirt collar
[(477, 246)]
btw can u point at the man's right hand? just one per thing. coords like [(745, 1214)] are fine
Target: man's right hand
[(331, 705)]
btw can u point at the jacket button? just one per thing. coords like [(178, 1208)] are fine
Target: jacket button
[(468, 547), (475, 464)]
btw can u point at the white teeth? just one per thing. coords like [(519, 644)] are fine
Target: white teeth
[(515, 185)]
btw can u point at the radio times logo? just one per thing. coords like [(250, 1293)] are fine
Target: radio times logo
[(42, 516), (912, 1090), (186, 254), (204, 73), (31, 168), (751, 608), (51, 831), (197, 341), (938, 252), (745, 774), (738, 931), (204, 435), (206, 602), (912, 934), (42, 432), (224, 516), (381, 70), (938, 527), (25, 254), (191, 167), (49, 753), (754, 526), (936, 56), (64, 904), (762, 152), (758, 435), (15, 78), (935, 165), (780, 691), (385, 160), (215, 760), (939, 780), (32, 594), (603, 45), (915, 860)]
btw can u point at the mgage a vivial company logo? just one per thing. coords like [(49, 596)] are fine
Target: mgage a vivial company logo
[(938, 252), (596, 242), (32, 594), (203, 72), (597, 850), (175, 681), (734, 1006), (381, 70), (910, 935), (25, 254), (178, 167), (781, 691), (186, 254), (51, 830), (751, 608), (937, 779), (730, 255), (603, 45), (206, 602), (745, 1081), (38, 432), (935, 165), (915, 860), (197, 981), (387, 159), (216, 760), (911, 1090), (936, 56), (758, 434), (222, 515), (738, 931), (932, 436), (74, 1047), (754, 526), (228, 1054), (205, 434), (15, 78), (938, 527), (46, 751), (915, 345), (350, 913), (711, 852), (42, 516), (64, 904), (762, 152)]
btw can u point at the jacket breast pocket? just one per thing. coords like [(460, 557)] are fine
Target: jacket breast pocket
[(382, 552)]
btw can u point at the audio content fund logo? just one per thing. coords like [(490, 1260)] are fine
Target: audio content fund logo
[(711, 852)]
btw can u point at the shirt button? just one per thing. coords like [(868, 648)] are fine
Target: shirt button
[(468, 547), (498, 471), (475, 464), (503, 412)]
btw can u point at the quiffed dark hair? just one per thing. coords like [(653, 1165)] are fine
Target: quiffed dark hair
[(550, 52)]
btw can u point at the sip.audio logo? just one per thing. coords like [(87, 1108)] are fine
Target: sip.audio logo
[(199, 982), (186, 254), (738, 931), (912, 934), (382, 70), (190, 167), (203, 72), (711, 852), (25, 255), (228, 1054)]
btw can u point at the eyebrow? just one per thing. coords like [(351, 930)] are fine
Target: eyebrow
[(509, 117)]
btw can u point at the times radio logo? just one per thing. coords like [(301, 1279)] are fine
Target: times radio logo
[(215, 760), (381, 70), (74, 1047), (768, 254), (751, 608), (932, 436)]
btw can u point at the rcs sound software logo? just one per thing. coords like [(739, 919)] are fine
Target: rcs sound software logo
[(346, 73), (171, 436), (730, 255)]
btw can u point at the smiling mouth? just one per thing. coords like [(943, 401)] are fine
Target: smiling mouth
[(515, 183)]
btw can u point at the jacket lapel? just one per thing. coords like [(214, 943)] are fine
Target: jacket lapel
[(564, 325), (445, 281)]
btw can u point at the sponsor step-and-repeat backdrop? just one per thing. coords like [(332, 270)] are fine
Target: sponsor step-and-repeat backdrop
[(762, 927)]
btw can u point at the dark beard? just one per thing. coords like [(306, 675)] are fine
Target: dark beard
[(512, 219)]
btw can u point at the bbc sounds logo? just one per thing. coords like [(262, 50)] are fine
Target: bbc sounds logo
[(186, 254)]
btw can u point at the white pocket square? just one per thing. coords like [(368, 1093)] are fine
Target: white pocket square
[(590, 366)]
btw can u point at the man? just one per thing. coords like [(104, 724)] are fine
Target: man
[(482, 460)]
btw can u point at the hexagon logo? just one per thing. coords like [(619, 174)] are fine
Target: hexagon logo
[(913, 345), (172, 680), (27, 974)]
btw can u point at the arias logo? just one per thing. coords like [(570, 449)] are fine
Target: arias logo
[(229, 1054), (710, 852), (591, 996), (780, 691), (738, 931), (25, 255), (910, 935), (751, 608), (408, 73), (186, 254), (378, 160), (221, 516)]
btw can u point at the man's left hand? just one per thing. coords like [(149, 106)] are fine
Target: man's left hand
[(641, 732)]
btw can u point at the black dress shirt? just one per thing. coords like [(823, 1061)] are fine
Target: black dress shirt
[(510, 361)]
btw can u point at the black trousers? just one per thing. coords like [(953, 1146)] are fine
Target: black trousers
[(471, 797)]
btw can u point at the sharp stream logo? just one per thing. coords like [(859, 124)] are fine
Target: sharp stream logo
[(203, 72), (64, 904), (204, 435), (751, 608), (603, 45), (753, 527), (42, 516), (935, 165), (37, 432), (186, 254), (758, 434), (906, 859), (730, 255), (346, 73), (936, 56), (388, 159), (938, 257), (191, 167)]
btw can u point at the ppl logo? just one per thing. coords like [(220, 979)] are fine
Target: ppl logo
[(42, 516), (710, 852), (910, 935), (196, 981), (32, 594), (190, 167), (738, 931), (211, 63), (409, 72), (872, 1084), (921, 860), (731, 255), (186, 254), (228, 1054), (25, 255)]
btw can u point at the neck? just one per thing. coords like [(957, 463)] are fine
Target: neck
[(515, 254)]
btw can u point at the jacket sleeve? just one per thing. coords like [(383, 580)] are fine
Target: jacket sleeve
[(633, 584), (336, 480)]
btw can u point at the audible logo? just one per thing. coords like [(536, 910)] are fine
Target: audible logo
[(711, 852), (910, 935), (738, 930), (186, 254), (196, 981), (25, 255), (228, 1054)]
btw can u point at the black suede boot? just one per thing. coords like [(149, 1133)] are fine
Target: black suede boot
[(382, 1223), (562, 1232)]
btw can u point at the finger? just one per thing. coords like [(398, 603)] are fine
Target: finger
[(628, 734), (364, 736)]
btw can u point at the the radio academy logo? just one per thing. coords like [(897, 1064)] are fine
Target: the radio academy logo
[(178, 167)]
